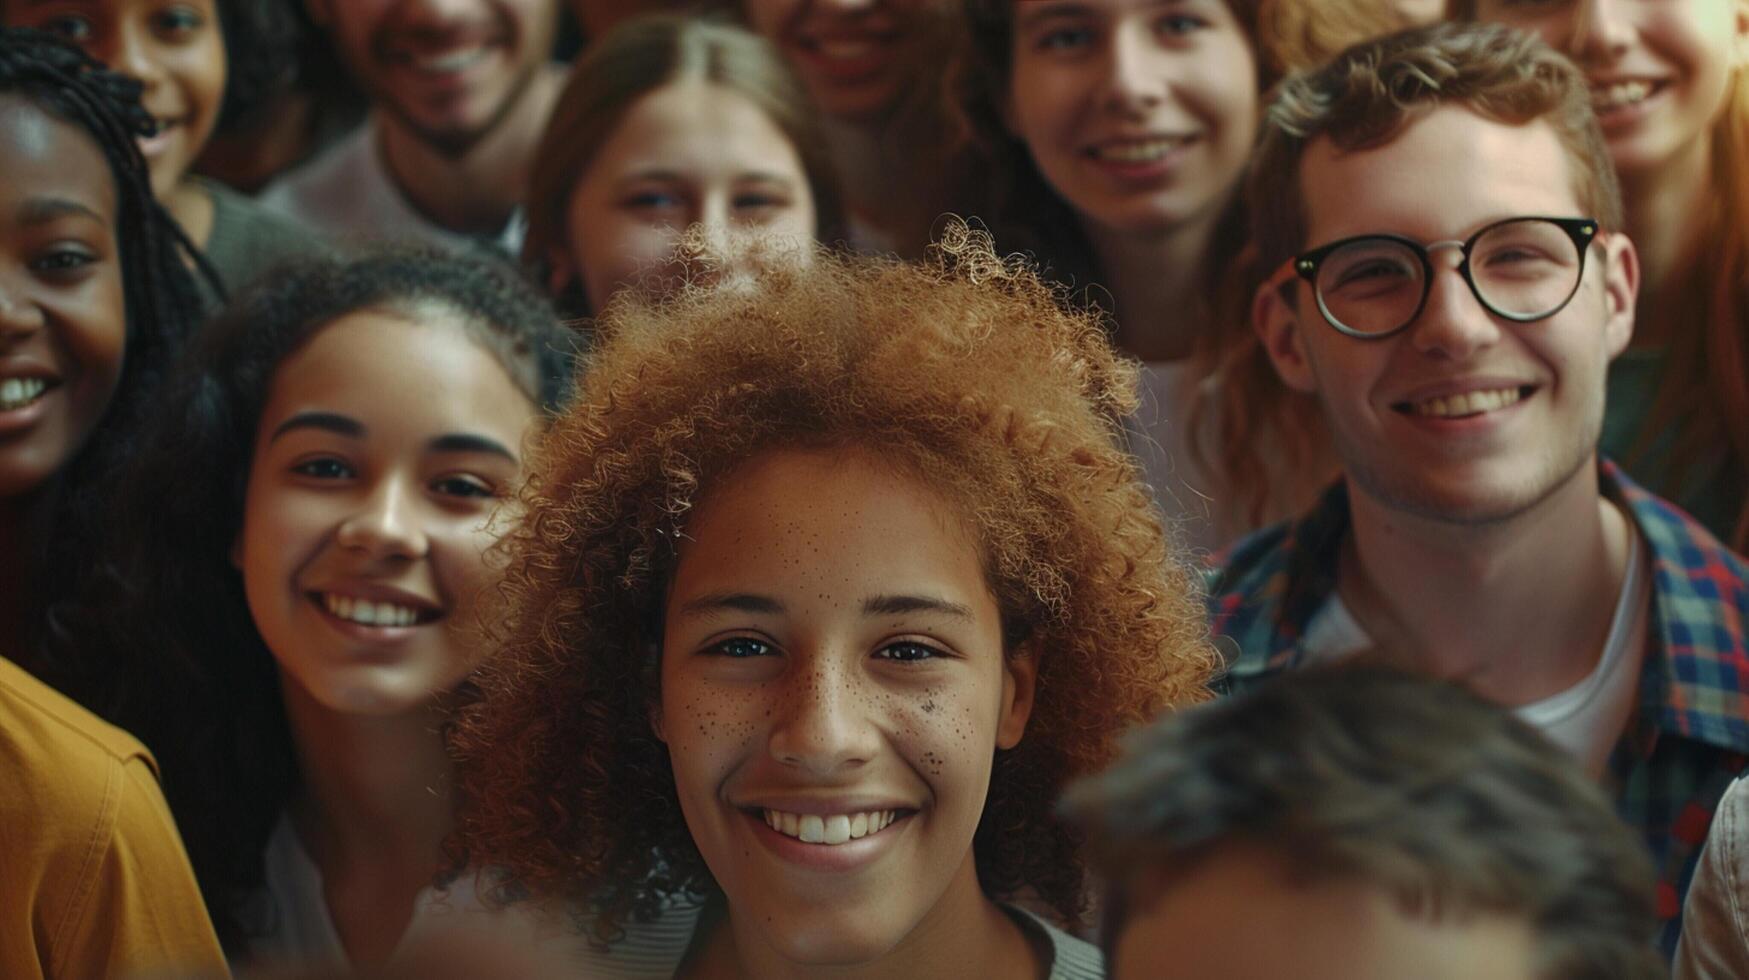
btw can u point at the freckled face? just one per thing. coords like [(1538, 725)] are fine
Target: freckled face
[(384, 451), (834, 688)]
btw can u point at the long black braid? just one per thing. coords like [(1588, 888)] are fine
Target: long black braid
[(163, 308)]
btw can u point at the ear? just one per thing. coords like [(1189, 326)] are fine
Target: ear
[(560, 270), (1019, 684), (1621, 289), (1278, 329)]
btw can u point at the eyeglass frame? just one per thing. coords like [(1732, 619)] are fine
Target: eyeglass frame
[(1582, 231)]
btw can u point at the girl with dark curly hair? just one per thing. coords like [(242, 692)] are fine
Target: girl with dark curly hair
[(828, 583), (199, 61), (288, 597)]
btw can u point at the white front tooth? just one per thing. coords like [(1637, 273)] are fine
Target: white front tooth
[(11, 390), (367, 613), (813, 828), (859, 826), (837, 829), (791, 825)]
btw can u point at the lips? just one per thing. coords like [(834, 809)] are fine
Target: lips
[(1465, 403), (157, 143), (376, 607), (1138, 151), (1614, 95)]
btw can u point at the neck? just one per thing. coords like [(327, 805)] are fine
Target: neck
[(373, 808), (1666, 214), (473, 192), (192, 207), (1160, 299), (1519, 610), (892, 197), (966, 934)]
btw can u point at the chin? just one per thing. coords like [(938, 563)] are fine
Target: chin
[(837, 940)]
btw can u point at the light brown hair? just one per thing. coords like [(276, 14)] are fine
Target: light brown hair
[(964, 370), (1443, 800), (636, 59), (1269, 434)]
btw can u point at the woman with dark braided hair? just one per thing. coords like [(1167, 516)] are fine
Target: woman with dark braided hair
[(93, 298)]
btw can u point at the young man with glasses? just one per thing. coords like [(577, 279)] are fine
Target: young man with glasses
[(1441, 212)]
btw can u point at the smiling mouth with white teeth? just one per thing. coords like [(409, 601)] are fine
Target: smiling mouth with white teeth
[(1465, 404), (16, 393), (829, 829), (1620, 95), (368, 613), (1138, 151)]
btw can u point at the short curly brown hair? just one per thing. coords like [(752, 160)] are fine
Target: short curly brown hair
[(966, 368)]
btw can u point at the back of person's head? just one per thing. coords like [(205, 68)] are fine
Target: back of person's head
[(1444, 804), (1369, 93), (160, 303), (166, 632), (964, 375), (640, 58)]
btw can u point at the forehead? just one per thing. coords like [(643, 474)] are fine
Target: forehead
[(1445, 174), (818, 522), (387, 371), (699, 126), (43, 156)]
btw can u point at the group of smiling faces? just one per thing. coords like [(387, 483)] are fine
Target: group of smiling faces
[(705, 600)]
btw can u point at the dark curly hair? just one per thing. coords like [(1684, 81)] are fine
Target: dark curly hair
[(166, 639), (966, 368), (163, 305)]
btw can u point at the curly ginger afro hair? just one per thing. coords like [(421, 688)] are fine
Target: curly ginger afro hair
[(968, 372)]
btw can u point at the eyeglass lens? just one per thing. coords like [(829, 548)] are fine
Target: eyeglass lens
[(1522, 270)]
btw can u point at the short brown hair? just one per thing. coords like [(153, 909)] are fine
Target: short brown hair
[(1445, 801), (640, 57), (1371, 92), (965, 370)]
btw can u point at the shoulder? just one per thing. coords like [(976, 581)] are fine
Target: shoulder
[(326, 181), (1715, 931), (248, 238), (1071, 958), (39, 724)]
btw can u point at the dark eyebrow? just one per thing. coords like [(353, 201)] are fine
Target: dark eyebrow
[(1031, 13), (467, 442), (731, 602), (326, 421), (895, 605), (42, 210)]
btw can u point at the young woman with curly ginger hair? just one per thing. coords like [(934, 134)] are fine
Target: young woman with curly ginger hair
[(828, 584)]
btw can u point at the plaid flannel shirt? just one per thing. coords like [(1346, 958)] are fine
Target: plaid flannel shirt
[(1690, 735)]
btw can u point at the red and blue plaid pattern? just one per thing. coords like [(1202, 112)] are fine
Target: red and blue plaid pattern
[(1690, 737)]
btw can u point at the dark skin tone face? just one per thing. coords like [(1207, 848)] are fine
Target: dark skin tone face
[(63, 318)]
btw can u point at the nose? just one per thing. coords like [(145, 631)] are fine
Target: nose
[(127, 50), (19, 317), (1602, 33), (385, 523), (1134, 81), (826, 725), (1453, 323)]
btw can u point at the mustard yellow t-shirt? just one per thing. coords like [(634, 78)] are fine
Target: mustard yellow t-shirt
[(94, 882)]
